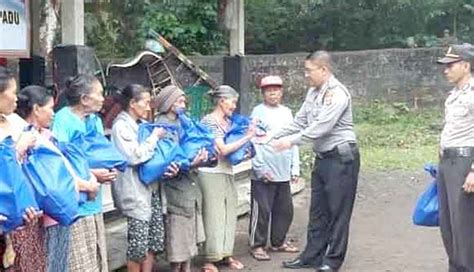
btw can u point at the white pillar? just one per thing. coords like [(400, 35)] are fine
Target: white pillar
[(237, 31), (72, 22)]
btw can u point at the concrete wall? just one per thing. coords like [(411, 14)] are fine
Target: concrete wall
[(394, 75)]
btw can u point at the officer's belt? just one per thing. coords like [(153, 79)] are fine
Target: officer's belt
[(452, 152), (334, 152)]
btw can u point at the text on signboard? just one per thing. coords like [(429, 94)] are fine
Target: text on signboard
[(9, 17)]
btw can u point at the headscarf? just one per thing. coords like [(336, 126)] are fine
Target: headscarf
[(167, 97)]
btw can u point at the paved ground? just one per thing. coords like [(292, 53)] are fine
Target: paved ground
[(382, 235)]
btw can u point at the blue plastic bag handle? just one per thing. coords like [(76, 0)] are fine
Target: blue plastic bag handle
[(432, 169)]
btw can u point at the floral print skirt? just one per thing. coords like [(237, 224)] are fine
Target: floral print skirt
[(28, 245), (144, 236)]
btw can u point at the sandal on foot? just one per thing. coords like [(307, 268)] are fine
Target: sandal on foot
[(286, 247), (260, 254)]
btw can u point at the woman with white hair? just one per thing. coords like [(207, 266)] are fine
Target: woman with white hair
[(217, 184)]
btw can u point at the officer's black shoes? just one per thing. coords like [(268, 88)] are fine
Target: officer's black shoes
[(296, 264), (326, 268)]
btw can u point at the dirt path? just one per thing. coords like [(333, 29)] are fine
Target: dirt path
[(382, 235), (383, 238)]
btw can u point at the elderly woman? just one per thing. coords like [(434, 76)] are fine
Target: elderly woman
[(84, 97), (35, 105), (23, 249), (140, 203), (217, 184), (184, 229)]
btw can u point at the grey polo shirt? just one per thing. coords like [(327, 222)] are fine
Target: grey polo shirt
[(458, 128), (324, 119)]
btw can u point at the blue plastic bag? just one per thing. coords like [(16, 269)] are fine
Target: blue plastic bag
[(53, 184), (194, 136), (99, 151), (166, 152), (15, 192), (239, 127), (78, 161), (426, 211)]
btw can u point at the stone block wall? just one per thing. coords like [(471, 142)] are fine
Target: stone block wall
[(393, 75)]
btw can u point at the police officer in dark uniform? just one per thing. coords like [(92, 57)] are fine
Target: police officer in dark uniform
[(456, 167), (325, 121)]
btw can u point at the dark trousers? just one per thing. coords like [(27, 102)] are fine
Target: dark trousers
[(271, 209), (456, 212), (333, 190)]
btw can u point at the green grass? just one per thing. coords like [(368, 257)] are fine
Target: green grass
[(384, 158), (396, 137)]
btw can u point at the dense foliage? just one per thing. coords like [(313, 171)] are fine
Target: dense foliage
[(118, 28), (294, 25)]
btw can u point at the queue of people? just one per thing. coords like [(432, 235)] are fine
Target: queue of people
[(191, 210), (180, 214)]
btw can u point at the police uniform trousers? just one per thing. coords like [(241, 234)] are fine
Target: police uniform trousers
[(333, 190), (456, 210), (272, 209)]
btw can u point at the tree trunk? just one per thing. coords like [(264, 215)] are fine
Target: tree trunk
[(49, 25)]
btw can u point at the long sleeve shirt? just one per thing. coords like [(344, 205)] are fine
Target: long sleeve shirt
[(324, 119), (279, 165), (183, 196), (131, 196)]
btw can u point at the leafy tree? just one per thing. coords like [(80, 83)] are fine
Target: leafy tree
[(353, 24), (191, 25), (120, 28)]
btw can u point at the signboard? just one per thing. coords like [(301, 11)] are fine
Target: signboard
[(14, 28)]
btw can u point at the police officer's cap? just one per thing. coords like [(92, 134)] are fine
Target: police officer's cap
[(457, 53)]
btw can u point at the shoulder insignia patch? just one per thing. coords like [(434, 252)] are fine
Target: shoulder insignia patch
[(328, 96)]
